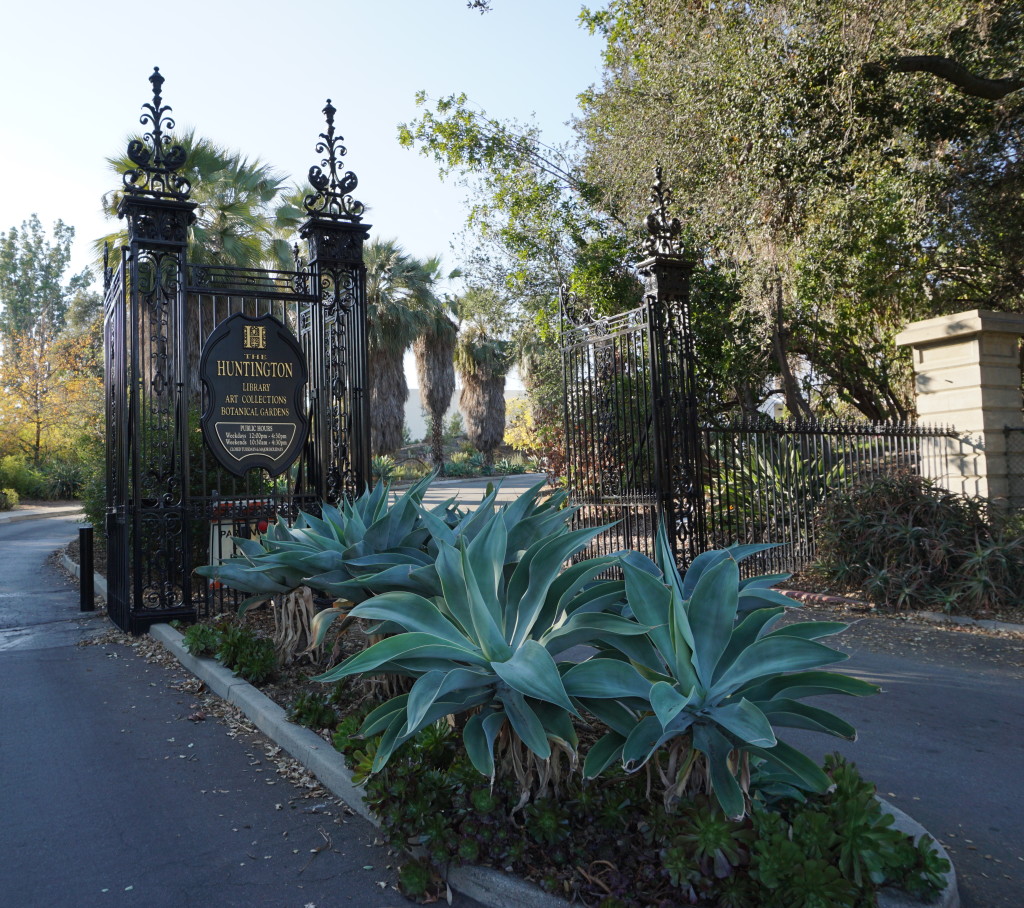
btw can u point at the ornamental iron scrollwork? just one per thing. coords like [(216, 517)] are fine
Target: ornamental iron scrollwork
[(333, 196), (156, 156), (663, 232)]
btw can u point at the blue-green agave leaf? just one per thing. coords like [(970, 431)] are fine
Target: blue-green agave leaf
[(606, 751), (532, 672), (525, 723), (667, 702), (606, 679), (746, 722)]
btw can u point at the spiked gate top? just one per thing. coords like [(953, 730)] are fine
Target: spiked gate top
[(156, 157), (332, 198)]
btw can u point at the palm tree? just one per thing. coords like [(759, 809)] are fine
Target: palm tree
[(482, 362), (435, 368), (400, 299), (244, 207)]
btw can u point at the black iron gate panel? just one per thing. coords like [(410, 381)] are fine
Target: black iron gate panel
[(171, 506), (117, 449), (611, 462), (631, 433)]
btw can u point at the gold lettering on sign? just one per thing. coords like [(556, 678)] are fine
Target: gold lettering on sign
[(233, 368)]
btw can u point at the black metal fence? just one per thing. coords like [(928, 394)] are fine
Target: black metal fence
[(1015, 466), (765, 480)]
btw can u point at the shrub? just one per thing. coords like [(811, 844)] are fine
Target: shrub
[(64, 479), (510, 466), (700, 692), (8, 499), (15, 473), (484, 647), (908, 544), (383, 468)]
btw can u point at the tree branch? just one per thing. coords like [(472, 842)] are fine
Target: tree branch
[(951, 71)]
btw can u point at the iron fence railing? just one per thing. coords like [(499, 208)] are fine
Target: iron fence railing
[(764, 481)]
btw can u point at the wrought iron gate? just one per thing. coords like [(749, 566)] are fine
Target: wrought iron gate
[(170, 505), (637, 449), (632, 439)]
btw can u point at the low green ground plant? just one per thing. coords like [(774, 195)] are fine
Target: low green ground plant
[(909, 544), (202, 639), (9, 499), (311, 708), (603, 839)]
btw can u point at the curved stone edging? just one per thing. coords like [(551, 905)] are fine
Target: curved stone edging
[(485, 884)]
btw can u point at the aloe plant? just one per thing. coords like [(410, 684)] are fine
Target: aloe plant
[(700, 692), (485, 647)]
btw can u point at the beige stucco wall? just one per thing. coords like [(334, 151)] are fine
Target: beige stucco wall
[(967, 374)]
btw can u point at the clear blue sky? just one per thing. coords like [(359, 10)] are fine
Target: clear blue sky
[(255, 76)]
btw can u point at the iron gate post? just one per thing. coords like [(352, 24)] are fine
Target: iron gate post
[(153, 493), (336, 338), (666, 273)]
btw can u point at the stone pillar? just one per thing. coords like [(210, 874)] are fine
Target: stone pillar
[(967, 374)]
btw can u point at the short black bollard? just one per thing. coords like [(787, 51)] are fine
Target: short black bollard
[(85, 582)]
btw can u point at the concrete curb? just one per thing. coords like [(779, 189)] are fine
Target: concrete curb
[(962, 621), (99, 582), (485, 884), (18, 517)]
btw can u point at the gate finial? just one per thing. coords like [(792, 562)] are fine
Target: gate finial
[(333, 196), (156, 157), (663, 232)]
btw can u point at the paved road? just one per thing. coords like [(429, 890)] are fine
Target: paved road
[(113, 797), (945, 742)]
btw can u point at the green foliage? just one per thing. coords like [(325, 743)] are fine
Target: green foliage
[(247, 655), (64, 479), (461, 469), (33, 295), (454, 428), (634, 853), (860, 177), (909, 544), (17, 474), (246, 213), (702, 689), (484, 644), (9, 499), (417, 879), (202, 640), (312, 710), (383, 468), (510, 466)]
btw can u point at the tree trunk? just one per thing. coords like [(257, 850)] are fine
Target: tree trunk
[(798, 406)]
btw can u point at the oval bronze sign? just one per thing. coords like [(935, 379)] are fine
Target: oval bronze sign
[(255, 375)]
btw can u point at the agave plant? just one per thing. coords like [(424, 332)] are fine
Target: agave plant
[(485, 648), (527, 519), (365, 533), (698, 694), (287, 562)]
